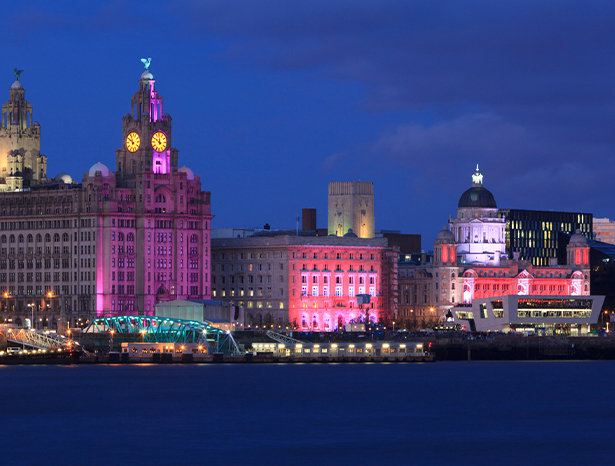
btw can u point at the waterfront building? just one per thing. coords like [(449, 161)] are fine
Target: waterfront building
[(603, 230), (470, 263), (116, 243), (351, 207), (308, 282), (533, 234), (549, 315)]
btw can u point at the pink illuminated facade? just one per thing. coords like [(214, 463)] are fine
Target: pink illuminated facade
[(325, 282), (309, 282), (115, 244), (153, 220)]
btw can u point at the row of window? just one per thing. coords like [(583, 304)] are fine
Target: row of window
[(240, 279), (338, 279), (129, 261), (130, 276), (39, 238), (38, 277), (158, 263), (120, 236), (336, 255), (338, 291), (338, 268), (250, 292), (43, 224), (38, 290), (30, 263), (247, 255), (249, 267)]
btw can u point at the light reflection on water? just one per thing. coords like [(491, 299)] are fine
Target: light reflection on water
[(442, 413)]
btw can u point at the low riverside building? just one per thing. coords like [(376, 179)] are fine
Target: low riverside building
[(551, 315), (218, 314), (307, 282)]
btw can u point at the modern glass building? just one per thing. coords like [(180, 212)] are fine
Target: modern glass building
[(547, 315), (534, 233)]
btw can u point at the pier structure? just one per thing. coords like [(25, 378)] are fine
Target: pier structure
[(152, 329)]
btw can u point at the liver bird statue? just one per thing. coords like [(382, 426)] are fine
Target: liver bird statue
[(146, 62), (17, 73)]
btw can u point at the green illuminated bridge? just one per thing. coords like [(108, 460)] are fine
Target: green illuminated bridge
[(153, 329)]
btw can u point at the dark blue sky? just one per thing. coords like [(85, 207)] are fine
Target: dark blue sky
[(271, 100)]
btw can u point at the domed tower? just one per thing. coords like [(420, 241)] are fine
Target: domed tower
[(147, 135), (444, 249), (477, 230), (577, 251), (21, 163)]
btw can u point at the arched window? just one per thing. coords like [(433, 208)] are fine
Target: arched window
[(56, 238), (20, 238), (65, 237), (47, 238), (120, 236), (3, 239), (39, 238), (30, 239), (12, 239), (130, 237), (194, 239)]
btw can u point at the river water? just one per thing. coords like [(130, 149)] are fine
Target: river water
[(447, 413)]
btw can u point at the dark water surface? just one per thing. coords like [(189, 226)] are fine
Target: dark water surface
[(447, 413)]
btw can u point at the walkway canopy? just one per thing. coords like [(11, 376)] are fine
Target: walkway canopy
[(165, 330)]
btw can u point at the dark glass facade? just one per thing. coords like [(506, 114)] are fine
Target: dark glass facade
[(534, 233)]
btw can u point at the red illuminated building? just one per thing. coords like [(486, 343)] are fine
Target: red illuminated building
[(308, 282)]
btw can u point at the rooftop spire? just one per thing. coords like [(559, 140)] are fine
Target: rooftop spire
[(477, 178)]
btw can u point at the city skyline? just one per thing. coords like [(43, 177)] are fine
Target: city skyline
[(271, 102)]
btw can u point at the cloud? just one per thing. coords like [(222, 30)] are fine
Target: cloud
[(536, 61), (332, 163), (527, 168)]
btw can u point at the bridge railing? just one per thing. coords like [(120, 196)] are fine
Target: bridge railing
[(38, 339)]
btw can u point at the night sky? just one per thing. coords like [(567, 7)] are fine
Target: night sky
[(271, 100)]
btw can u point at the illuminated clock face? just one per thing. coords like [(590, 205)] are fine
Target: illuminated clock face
[(133, 141), (159, 141)]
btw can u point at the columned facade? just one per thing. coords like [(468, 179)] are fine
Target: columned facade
[(115, 244)]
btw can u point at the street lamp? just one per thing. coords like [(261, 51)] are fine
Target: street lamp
[(111, 340)]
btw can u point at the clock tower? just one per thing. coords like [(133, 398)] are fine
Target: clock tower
[(146, 135)]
